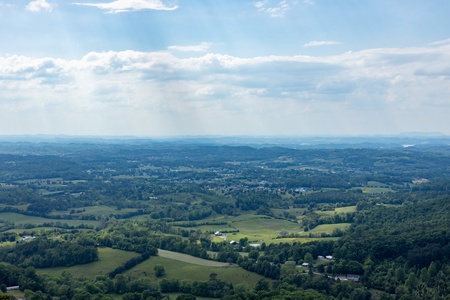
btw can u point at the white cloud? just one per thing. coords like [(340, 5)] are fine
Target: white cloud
[(212, 90), (38, 5), (442, 42), (274, 9), (320, 43), (119, 6), (202, 47)]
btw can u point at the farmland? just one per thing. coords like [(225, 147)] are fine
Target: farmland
[(219, 220)]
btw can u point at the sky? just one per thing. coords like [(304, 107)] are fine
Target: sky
[(159, 68)]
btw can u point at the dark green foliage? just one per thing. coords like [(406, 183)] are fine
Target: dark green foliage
[(129, 264), (399, 251), (44, 253), (186, 297), (159, 271), (11, 275)]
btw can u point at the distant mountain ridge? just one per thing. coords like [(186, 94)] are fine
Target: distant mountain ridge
[(409, 139)]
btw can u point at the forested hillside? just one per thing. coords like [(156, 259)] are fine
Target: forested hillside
[(86, 220)]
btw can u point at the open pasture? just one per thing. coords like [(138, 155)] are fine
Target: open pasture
[(20, 207), (190, 271), (108, 260), (329, 228), (24, 219), (261, 229), (339, 210), (191, 259), (97, 210), (375, 187), (299, 240), (345, 209)]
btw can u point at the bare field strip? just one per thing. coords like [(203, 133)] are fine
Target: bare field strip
[(192, 260)]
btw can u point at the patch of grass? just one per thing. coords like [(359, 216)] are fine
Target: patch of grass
[(261, 229), (187, 271), (376, 184), (21, 207), (375, 187), (97, 210), (329, 228), (345, 209), (339, 210), (299, 240), (23, 219), (376, 190), (17, 294), (175, 295), (108, 260), (191, 259)]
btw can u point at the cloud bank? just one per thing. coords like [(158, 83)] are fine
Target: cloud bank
[(133, 92), (39, 5), (120, 6), (274, 9), (320, 43), (202, 47)]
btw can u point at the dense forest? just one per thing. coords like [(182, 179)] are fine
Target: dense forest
[(381, 215)]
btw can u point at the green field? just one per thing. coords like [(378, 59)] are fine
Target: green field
[(375, 187), (21, 207), (339, 210), (345, 209), (98, 211), (300, 240), (23, 219), (328, 228), (108, 260), (192, 259), (262, 229), (193, 271)]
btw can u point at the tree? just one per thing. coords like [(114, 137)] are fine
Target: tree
[(254, 254), (262, 285), (432, 270), (81, 295), (159, 271), (411, 282), (308, 258), (132, 296), (120, 284), (400, 275)]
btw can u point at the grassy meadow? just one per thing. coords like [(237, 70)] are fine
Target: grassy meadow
[(108, 260), (97, 210), (329, 228), (24, 219), (194, 270)]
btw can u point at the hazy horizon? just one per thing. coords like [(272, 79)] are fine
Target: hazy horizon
[(154, 68)]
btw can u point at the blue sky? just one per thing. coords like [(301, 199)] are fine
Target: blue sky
[(224, 67)]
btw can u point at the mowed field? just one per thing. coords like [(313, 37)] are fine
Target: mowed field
[(263, 229), (176, 265), (97, 210), (23, 219), (109, 259), (338, 210), (192, 259), (186, 267), (329, 228), (259, 229)]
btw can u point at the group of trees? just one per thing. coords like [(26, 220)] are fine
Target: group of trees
[(44, 253)]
